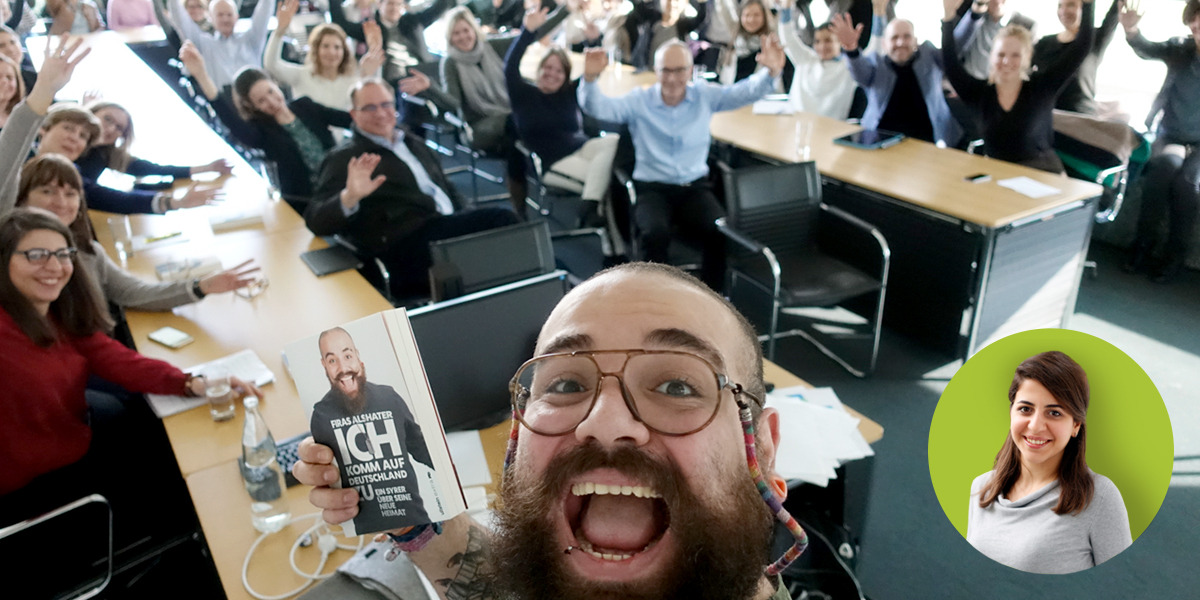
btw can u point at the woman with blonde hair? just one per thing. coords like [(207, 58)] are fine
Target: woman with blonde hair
[(1016, 105), (111, 149), (1041, 509), (329, 70), (12, 88), (737, 61)]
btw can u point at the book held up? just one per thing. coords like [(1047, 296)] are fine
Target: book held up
[(369, 400)]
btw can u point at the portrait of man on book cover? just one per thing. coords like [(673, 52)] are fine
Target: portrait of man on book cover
[(373, 422)]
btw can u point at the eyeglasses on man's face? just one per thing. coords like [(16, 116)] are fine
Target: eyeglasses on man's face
[(671, 392), (40, 256), (371, 109)]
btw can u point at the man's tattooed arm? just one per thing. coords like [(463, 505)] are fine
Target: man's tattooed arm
[(458, 561)]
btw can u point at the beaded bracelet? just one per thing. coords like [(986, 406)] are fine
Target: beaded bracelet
[(412, 540)]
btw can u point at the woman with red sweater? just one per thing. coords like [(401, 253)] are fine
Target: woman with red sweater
[(52, 337)]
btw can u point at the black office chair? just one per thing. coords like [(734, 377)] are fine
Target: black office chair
[(77, 577), (802, 254), (545, 190), (373, 270), (480, 261), (1105, 152)]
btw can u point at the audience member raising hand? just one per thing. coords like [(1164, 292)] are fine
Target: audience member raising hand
[(1171, 183), (295, 135), (1016, 105), (329, 70)]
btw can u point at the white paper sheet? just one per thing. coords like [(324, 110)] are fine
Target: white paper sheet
[(245, 365), (773, 107), (816, 434), (1029, 187), (467, 451)]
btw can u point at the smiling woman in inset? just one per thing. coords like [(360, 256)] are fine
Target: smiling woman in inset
[(1040, 509)]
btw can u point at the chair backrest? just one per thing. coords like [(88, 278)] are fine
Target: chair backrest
[(489, 333), (1102, 151), (59, 549), (777, 205), (483, 260)]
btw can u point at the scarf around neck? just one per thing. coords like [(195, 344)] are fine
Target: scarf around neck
[(481, 76)]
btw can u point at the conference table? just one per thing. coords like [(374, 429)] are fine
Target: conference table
[(971, 262)]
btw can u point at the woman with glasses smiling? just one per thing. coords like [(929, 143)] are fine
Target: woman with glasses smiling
[(294, 135), (53, 327)]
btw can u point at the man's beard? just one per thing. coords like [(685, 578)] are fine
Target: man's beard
[(721, 551), (353, 403)]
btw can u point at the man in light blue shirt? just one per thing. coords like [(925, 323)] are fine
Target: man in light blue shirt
[(225, 51), (668, 122)]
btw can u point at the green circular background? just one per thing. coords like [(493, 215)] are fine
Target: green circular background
[(1129, 432)]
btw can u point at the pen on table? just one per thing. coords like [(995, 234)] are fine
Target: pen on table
[(159, 238)]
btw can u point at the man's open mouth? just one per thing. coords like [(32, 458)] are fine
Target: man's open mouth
[(616, 522)]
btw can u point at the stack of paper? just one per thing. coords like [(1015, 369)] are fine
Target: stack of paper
[(816, 434), (245, 365)]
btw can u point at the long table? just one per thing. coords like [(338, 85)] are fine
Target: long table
[(971, 262)]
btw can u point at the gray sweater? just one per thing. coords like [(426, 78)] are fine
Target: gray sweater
[(1027, 535), (15, 141), (128, 291)]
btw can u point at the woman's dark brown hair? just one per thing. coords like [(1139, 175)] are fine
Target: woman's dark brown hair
[(1191, 10), (242, 82), (563, 59), (78, 311), (1067, 382), (55, 169)]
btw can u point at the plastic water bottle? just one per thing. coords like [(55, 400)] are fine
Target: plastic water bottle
[(264, 479)]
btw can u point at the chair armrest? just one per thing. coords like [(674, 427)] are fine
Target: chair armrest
[(625, 179), (973, 146), (885, 251), (742, 239)]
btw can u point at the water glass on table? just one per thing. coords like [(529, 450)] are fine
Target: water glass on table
[(219, 392), (804, 133), (122, 235)]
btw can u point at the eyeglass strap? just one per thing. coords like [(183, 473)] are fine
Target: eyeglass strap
[(511, 450), (774, 502)]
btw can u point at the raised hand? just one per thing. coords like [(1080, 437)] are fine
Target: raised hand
[(369, 64), (220, 166), (373, 34), (951, 7), (359, 183), (846, 31), (284, 13), (231, 279), (191, 58), (414, 84), (594, 62), (197, 195), (1131, 16), (535, 19), (58, 65), (771, 54)]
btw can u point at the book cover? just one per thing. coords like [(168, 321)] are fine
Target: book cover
[(367, 397)]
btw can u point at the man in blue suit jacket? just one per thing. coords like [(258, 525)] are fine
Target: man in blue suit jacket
[(903, 85)]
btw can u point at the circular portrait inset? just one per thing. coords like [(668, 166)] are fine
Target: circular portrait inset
[(1050, 451)]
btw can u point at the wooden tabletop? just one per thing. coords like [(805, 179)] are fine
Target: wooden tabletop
[(914, 171)]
